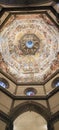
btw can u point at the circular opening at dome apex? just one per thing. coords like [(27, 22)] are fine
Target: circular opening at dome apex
[(29, 44)]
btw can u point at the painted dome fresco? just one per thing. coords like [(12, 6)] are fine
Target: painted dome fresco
[(29, 48)]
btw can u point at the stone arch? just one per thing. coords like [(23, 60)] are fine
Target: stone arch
[(31, 106)]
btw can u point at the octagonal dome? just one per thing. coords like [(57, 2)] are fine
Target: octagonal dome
[(29, 48)]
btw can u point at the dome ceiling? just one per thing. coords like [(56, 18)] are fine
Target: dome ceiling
[(29, 48)]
